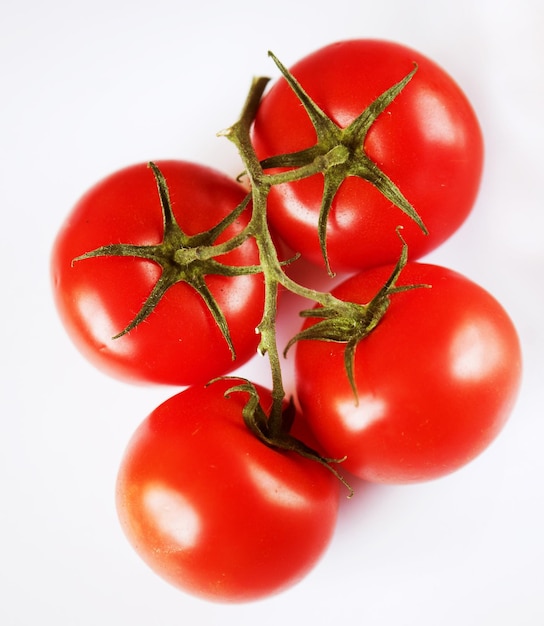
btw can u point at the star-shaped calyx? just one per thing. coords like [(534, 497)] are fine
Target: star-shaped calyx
[(349, 322), (182, 258), (340, 152)]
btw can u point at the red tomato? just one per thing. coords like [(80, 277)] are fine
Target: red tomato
[(436, 379), (179, 343), (427, 141), (213, 510)]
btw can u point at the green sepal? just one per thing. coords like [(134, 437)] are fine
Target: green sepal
[(353, 162), (350, 323), (182, 258), (257, 421)]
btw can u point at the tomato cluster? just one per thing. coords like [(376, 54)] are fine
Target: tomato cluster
[(169, 273)]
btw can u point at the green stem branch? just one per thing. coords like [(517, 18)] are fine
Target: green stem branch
[(274, 276)]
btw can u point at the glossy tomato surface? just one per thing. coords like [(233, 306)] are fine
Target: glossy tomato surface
[(213, 510), (436, 379), (427, 141), (180, 343)]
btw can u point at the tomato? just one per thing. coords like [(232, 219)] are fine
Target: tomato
[(180, 342), (428, 142), (436, 379), (213, 510)]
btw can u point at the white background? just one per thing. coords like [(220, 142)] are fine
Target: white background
[(89, 87)]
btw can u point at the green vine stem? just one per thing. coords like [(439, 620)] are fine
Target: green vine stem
[(337, 154), (274, 276), (346, 322)]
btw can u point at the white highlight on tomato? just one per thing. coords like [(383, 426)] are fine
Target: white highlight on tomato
[(475, 351), (438, 125), (175, 517), (358, 416), (100, 324), (274, 489)]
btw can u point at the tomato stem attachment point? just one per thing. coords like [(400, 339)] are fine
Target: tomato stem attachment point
[(350, 323), (259, 423), (183, 258), (340, 153)]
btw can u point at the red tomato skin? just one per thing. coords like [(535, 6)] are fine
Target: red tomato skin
[(437, 379), (428, 141), (214, 511), (180, 342)]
